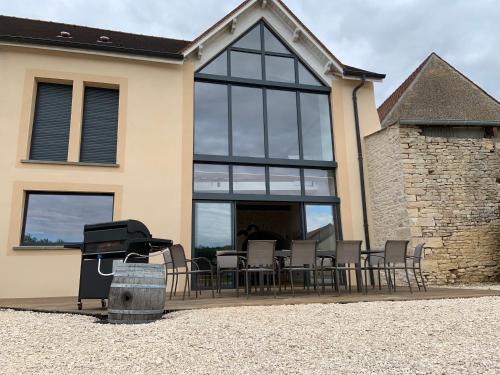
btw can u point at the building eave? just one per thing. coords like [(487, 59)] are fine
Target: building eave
[(88, 48)]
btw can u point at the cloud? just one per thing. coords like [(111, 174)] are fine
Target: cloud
[(390, 37)]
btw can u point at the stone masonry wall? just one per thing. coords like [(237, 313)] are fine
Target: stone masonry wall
[(441, 191), (389, 218), (452, 188)]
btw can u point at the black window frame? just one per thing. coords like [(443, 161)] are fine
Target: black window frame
[(263, 84), (266, 161), (27, 194)]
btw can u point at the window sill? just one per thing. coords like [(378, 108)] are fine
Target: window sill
[(54, 247), (24, 161)]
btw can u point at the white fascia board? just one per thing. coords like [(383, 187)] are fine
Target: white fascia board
[(222, 27), (280, 21), (127, 56), (310, 38)]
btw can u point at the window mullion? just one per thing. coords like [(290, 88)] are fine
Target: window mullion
[(268, 188), (262, 53)]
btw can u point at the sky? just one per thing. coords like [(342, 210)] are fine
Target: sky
[(385, 36)]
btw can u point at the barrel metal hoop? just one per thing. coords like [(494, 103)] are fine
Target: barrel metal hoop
[(135, 312), (138, 286)]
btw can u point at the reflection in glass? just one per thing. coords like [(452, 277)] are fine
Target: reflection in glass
[(280, 69), (249, 180), (247, 121), (282, 127), (212, 229), (319, 182), (320, 226), (246, 65), (306, 77), (251, 40), (284, 181), (218, 66), (210, 119), (316, 127), (54, 219), (211, 178), (272, 44)]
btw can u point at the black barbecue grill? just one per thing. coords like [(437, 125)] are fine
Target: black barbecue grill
[(104, 243), (118, 239)]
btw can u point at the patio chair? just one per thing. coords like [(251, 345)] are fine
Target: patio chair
[(180, 267), (260, 260), (416, 264), (374, 262), (169, 268), (228, 264), (303, 258), (348, 258), (395, 258)]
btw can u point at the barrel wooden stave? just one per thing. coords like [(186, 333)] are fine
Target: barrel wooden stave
[(137, 293)]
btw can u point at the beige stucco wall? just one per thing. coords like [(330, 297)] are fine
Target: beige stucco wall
[(152, 182), (346, 152)]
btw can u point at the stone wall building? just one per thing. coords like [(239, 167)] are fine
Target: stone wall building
[(434, 173)]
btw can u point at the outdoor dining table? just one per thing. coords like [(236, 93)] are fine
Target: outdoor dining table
[(322, 254)]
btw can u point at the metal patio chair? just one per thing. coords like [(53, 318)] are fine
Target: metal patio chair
[(228, 264), (396, 258), (374, 262), (180, 266), (303, 258), (416, 264), (347, 258), (260, 260)]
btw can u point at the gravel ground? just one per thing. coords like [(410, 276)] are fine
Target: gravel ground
[(437, 336)]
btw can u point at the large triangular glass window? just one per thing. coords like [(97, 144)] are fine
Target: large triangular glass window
[(265, 58), (272, 44), (251, 40), (218, 66)]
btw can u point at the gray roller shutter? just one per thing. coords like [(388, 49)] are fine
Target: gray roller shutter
[(100, 124), (51, 123)]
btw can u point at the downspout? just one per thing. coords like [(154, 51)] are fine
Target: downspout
[(360, 160)]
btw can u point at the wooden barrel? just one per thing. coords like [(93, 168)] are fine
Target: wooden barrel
[(137, 293)]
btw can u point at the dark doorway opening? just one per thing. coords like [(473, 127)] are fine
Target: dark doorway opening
[(268, 221)]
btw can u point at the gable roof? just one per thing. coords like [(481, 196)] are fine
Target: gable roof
[(436, 91), (45, 33), (23, 30), (224, 21)]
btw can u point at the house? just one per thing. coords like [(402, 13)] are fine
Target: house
[(434, 173), (252, 124)]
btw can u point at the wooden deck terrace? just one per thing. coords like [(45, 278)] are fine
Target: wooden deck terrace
[(228, 298)]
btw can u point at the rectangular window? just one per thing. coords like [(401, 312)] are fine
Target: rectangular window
[(284, 181), (319, 182), (316, 127), (280, 69), (247, 121), (58, 218), (210, 119), (51, 122), (282, 127), (249, 180), (246, 65), (320, 225), (100, 125), (213, 228), (211, 178)]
